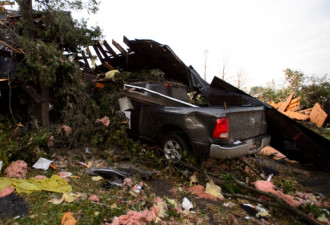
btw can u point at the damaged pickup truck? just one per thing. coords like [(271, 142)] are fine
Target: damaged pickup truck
[(226, 125), (231, 123), (222, 131)]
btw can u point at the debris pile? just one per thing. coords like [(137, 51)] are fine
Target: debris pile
[(291, 108)]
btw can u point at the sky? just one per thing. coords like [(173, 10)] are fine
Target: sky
[(256, 38)]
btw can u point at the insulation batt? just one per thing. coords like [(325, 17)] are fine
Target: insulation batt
[(105, 121), (94, 198), (268, 186), (144, 217), (6, 191), (199, 190), (17, 169), (66, 129)]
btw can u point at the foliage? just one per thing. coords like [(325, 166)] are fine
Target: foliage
[(229, 183), (287, 186), (44, 58), (295, 79), (42, 63), (312, 208), (316, 89), (16, 143), (154, 75)]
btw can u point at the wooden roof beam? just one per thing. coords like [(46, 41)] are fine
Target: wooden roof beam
[(120, 48), (111, 51)]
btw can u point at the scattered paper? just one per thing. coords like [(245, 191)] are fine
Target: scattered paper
[(97, 178), (214, 190), (42, 163), (186, 204), (193, 180)]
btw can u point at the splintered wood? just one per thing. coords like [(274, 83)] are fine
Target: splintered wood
[(291, 108)]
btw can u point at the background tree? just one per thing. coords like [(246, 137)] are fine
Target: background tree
[(295, 79), (311, 89), (316, 89)]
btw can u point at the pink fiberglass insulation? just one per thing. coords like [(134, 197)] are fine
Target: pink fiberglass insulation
[(66, 129), (199, 190), (144, 217), (6, 191), (127, 183), (16, 169), (268, 186), (94, 198), (132, 217), (105, 121)]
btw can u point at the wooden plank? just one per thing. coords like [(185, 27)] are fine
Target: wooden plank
[(121, 49), (296, 115), (294, 105), (87, 67), (111, 51), (98, 52), (274, 104), (286, 103), (99, 46), (108, 66), (18, 51), (125, 40), (318, 116), (278, 105), (306, 111), (89, 54)]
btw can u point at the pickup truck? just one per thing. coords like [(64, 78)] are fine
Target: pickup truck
[(208, 131), (198, 129)]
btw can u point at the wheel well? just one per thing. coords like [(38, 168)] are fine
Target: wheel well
[(172, 128)]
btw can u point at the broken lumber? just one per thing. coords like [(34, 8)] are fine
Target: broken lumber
[(110, 50), (286, 103), (294, 105), (120, 48), (296, 115), (318, 116)]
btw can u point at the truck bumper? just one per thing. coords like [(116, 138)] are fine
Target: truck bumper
[(246, 147)]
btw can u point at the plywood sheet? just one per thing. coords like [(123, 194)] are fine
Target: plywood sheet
[(318, 116)]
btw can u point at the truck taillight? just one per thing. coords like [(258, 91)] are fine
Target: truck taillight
[(168, 85), (221, 129)]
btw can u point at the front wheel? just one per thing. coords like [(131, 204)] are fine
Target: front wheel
[(174, 147)]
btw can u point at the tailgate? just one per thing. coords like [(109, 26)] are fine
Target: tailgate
[(247, 122)]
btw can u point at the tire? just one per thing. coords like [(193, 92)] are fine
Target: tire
[(174, 146)]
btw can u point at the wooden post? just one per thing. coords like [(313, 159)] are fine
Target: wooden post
[(44, 108)]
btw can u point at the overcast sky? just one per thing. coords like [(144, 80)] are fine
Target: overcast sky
[(259, 38)]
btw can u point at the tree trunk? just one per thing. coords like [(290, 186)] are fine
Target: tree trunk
[(29, 33), (44, 109), (27, 16)]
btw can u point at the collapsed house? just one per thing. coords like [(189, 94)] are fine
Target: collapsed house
[(289, 137)]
